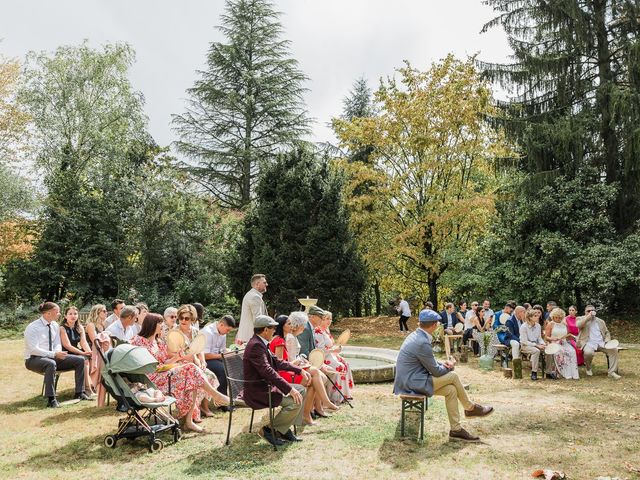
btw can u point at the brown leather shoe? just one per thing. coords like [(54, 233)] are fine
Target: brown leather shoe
[(463, 435), (478, 411)]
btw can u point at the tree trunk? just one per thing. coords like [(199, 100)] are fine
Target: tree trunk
[(578, 295), (376, 289), (432, 280), (357, 307)]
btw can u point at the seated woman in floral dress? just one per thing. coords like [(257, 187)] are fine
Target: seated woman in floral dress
[(342, 377), (187, 321), (282, 344), (556, 331), (189, 384)]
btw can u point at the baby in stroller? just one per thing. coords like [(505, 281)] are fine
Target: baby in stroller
[(146, 394)]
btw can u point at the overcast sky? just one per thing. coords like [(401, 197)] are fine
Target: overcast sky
[(335, 42)]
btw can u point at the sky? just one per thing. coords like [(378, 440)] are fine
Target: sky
[(334, 41)]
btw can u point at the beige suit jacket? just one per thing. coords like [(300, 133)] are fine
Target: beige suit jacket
[(252, 306), (584, 324)]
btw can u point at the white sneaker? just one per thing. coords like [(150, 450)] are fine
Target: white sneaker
[(589, 373), (614, 375)]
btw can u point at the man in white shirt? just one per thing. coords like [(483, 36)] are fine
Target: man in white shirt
[(592, 337), (405, 313), (252, 306), (43, 353), (216, 334), (123, 328), (116, 306), (488, 313)]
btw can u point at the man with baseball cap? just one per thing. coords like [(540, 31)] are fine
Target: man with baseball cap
[(418, 372), (261, 368)]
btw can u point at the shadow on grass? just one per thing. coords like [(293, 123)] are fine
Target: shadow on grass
[(405, 453), (91, 412), (247, 454), (37, 402)]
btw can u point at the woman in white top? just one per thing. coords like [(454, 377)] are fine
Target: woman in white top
[(566, 361)]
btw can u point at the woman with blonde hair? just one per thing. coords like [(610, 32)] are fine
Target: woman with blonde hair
[(96, 321), (343, 378), (556, 331)]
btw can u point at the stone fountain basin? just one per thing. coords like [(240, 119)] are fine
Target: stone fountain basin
[(371, 365)]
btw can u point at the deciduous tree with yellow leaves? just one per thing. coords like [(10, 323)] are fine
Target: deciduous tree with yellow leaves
[(430, 174)]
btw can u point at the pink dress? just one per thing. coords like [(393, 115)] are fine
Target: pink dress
[(573, 330), (343, 379), (184, 379)]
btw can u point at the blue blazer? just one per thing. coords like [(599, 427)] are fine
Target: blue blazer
[(444, 321), (513, 333), (416, 365)]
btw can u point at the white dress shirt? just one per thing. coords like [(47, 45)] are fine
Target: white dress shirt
[(36, 339), (404, 309), (116, 329), (596, 339), (216, 343), (110, 320)]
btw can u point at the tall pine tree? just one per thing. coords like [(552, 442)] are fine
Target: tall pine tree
[(246, 106), (297, 234)]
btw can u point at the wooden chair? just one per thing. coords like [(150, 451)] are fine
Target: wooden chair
[(414, 403), (234, 370)]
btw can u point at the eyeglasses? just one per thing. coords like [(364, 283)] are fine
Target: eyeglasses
[(103, 310), (173, 316), (186, 319)]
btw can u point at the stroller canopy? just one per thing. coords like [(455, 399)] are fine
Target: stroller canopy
[(127, 358)]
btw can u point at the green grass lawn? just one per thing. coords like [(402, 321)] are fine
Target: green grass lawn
[(586, 428)]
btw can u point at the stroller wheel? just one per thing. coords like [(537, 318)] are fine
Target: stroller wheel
[(177, 434), (156, 445), (110, 441)]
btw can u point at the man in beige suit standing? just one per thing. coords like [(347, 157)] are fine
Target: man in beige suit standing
[(591, 339), (252, 306)]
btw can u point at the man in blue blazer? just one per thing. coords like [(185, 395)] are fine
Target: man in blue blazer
[(511, 338), (418, 372), (448, 318)]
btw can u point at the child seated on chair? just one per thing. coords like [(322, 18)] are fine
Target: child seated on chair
[(146, 394)]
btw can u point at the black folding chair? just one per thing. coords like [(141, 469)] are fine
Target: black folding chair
[(234, 370)]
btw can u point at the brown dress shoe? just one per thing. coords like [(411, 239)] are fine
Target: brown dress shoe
[(463, 435), (478, 411)]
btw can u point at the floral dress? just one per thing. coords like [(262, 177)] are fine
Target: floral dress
[(565, 360), (179, 382), (344, 379)]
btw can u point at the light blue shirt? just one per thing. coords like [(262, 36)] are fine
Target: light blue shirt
[(416, 365)]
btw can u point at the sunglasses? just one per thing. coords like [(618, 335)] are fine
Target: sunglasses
[(173, 316), (185, 319)]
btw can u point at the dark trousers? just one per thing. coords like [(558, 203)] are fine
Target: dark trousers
[(49, 367), (402, 321), (217, 367), (468, 333)]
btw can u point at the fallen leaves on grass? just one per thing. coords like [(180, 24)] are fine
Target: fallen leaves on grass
[(548, 474)]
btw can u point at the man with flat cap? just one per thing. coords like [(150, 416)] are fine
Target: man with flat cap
[(305, 339), (418, 372), (261, 368)]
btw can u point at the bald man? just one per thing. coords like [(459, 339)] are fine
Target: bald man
[(511, 337)]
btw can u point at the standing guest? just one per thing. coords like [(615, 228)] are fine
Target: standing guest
[(252, 306), (143, 309), (511, 337), (428, 305), (566, 364), (531, 340), (74, 341), (123, 328), (306, 340), (186, 382), (405, 313), (343, 378), (488, 313), (449, 318), (550, 306), (418, 372), (216, 334), (117, 305), (570, 320), (170, 318), (260, 367), (593, 335), (96, 322), (200, 312), (43, 353)]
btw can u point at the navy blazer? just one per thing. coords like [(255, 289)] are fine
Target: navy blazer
[(513, 332), (261, 367), (444, 321)]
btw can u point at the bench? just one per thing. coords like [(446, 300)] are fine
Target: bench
[(413, 403)]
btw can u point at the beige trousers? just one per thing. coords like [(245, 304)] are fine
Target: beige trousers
[(450, 387), (612, 353), (290, 413), (535, 355)]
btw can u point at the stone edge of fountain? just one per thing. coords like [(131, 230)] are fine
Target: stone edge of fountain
[(377, 374)]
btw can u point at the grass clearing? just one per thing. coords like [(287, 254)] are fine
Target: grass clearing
[(586, 428)]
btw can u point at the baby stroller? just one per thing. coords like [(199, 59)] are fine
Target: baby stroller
[(127, 363)]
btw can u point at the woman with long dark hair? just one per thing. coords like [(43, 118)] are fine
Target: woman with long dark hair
[(74, 341)]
